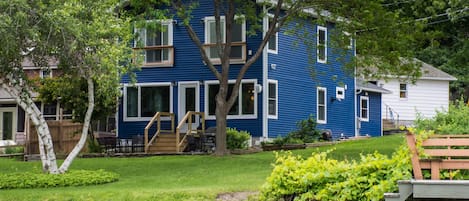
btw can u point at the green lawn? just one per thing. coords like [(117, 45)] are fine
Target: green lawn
[(179, 177)]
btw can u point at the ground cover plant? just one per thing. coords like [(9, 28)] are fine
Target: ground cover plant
[(454, 120), (180, 177)]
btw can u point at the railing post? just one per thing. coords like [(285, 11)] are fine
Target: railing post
[(177, 140), (146, 140), (172, 122)]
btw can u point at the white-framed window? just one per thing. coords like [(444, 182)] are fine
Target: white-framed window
[(245, 107), (45, 73), (156, 44), (403, 93), (321, 42), (273, 99), (364, 108), (272, 46), (142, 101), (238, 39), (321, 108)]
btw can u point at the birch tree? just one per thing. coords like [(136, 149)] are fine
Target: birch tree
[(86, 38)]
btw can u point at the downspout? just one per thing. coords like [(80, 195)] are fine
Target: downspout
[(265, 84), (355, 95)]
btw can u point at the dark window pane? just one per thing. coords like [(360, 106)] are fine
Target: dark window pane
[(212, 92), (154, 99), (248, 98), (321, 97), (272, 99), (272, 107), (234, 110), (236, 52), (7, 126), (321, 113), (272, 91), (237, 33), (153, 56), (190, 99), (132, 99)]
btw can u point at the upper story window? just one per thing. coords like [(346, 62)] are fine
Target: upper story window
[(157, 44), (321, 44), (143, 101), (238, 39), (243, 108), (321, 105), (273, 40), (403, 91)]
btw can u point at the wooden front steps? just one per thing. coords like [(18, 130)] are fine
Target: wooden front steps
[(165, 143)]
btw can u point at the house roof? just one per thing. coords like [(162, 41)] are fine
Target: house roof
[(429, 72), (367, 86)]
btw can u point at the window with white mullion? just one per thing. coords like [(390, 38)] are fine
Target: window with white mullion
[(144, 101), (321, 41), (273, 40), (156, 44), (245, 104), (273, 99), (364, 108), (321, 105), (238, 39)]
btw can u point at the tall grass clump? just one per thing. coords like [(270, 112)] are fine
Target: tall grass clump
[(455, 120)]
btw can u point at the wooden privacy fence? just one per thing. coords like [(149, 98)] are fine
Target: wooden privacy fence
[(65, 135)]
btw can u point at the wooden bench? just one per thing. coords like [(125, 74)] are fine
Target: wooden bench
[(441, 152)]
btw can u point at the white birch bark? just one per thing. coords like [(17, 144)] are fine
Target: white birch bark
[(48, 157), (84, 133)]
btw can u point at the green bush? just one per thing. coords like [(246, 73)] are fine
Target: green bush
[(453, 121), (14, 150), (237, 139), (306, 131), (71, 178), (320, 178)]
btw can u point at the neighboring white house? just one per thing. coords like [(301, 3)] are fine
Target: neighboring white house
[(427, 95)]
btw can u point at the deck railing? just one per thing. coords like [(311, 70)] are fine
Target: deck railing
[(157, 118), (188, 119)]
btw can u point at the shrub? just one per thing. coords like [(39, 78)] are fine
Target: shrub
[(320, 178), (14, 150), (237, 139), (306, 131), (453, 121), (71, 178)]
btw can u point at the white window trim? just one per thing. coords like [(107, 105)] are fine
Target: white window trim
[(321, 28), (168, 22), (325, 105), (367, 109), (275, 34), (41, 72), (239, 116), (139, 112), (243, 36), (337, 95), (406, 91), (276, 99)]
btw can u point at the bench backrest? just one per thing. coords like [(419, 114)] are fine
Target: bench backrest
[(449, 150)]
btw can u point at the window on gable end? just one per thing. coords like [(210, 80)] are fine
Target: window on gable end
[(321, 44), (273, 40), (403, 91), (156, 44)]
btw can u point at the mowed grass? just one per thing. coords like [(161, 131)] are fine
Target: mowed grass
[(180, 177)]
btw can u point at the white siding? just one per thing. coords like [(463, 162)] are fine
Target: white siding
[(425, 97)]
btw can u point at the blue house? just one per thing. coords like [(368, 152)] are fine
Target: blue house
[(277, 91)]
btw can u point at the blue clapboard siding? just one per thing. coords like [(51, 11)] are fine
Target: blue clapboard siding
[(373, 126), (188, 66), (297, 86)]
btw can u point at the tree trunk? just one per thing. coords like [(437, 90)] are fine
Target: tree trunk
[(221, 114), (84, 133), (46, 147)]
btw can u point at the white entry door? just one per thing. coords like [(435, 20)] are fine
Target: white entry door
[(189, 100), (7, 123)]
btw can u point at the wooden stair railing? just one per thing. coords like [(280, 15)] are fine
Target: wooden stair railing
[(157, 118), (188, 118)]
